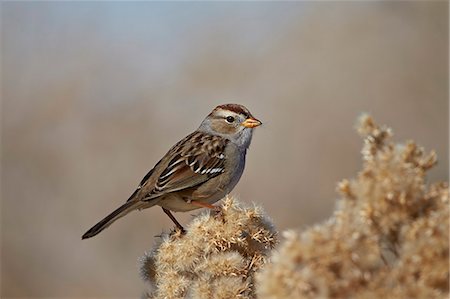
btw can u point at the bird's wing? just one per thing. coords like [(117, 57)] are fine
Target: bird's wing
[(193, 160)]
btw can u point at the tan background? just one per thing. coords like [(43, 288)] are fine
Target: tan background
[(93, 94)]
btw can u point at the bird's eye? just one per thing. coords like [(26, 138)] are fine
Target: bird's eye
[(230, 119)]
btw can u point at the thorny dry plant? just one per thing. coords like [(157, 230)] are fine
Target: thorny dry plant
[(217, 257), (388, 237)]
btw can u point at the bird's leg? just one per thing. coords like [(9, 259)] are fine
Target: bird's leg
[(174, 220)]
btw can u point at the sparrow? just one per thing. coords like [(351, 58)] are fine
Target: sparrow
[(196, 172)]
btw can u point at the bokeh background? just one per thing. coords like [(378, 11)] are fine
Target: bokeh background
[(94, 93)]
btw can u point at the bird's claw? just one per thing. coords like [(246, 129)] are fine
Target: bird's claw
[(217, 212), (177, 231)]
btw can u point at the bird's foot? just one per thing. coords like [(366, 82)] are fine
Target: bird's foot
[(177, 231), (218, 212)]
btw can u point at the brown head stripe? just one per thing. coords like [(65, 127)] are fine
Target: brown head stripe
[(235, 108)]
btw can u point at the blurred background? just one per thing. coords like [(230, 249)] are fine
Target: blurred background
[(93, 94)]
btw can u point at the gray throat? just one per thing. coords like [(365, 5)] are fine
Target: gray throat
[(243, 139)]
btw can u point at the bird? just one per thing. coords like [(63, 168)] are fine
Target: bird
[(196, 172)]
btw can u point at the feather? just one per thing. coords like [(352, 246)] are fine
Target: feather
[(196, 159)]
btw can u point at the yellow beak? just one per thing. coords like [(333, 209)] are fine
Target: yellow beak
[(251, 123)]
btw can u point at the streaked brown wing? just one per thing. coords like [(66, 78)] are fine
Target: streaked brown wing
[(196, 159)]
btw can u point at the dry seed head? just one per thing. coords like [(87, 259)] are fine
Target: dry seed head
[(387, 238), (216, 257)]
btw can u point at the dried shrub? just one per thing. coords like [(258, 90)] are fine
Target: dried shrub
[(388, 236), (216, 257)]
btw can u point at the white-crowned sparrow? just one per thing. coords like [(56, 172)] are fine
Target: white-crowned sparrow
[(197, 171)]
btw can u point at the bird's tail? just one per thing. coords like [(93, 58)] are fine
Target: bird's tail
[(116, 214)]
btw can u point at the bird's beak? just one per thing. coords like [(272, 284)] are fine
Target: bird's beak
[(251, 123)]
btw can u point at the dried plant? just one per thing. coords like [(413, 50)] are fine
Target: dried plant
[(387, 238), (216, 257)]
